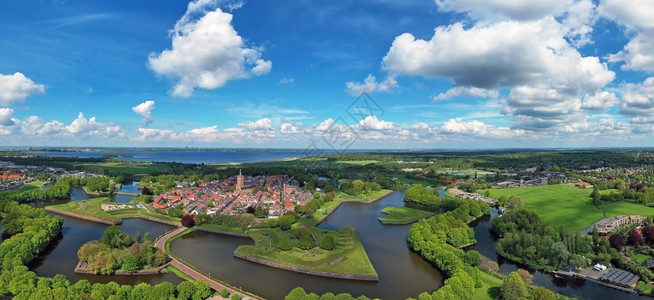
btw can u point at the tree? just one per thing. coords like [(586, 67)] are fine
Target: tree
[(188, 221), (146, 236), (617, 241), (328, 242), (111, 235), (137, 237), (648, 233), (286, 221), (131, 265), (527, 277), (329, 196), (514, 288), (560, 253), (146, 191), (596, 196), (635, 238), (224, 293)]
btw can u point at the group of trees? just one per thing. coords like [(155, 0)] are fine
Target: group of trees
[(117, 250), (60, 190), (418, 194), (299, 293), (100, 184), (514, 287), (432, 238), (306, 240), (358, 187)]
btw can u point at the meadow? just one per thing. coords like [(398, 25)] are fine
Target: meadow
[(568, 205), (403, 215)]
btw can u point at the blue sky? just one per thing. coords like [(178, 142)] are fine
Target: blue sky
[(220, 73)]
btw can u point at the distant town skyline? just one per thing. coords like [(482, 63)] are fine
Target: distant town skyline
[(463, 74)]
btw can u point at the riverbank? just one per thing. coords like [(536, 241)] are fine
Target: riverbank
[(330, 207), (83, 217), (403, 215), (81, 269)]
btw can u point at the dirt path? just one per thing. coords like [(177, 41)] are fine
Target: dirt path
[(161, 244)]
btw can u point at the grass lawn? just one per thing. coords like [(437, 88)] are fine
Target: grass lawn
[(490, 287), (341, 197), (568, 205), (222, 228), (36, 185), (356, 162), (465, 172), (178, 273), (128, 167), (349, 250), (627, 208), (639, 258), (403, 215), (91, 207), (402, 178)]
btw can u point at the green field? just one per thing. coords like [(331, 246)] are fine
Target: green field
[(568, 205), (403, 179), (403, 215), (36, 185), (490, 288), (349, 250), (464, 172), (356, 162), (91, 208), (125, 167)]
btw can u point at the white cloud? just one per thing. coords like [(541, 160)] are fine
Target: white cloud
[(261, 124), (17, 87), (6, 117), (638, 100), (503, 9), (288, 128), (371, 123), (466, 91), (370, 85), (578, 22), (286, 80), (638, 54), (34, 126), (91, 127), (600, 101), (631, 13), (476, 128), (145, 110), (547, 75), (206, 51), (637, 16)]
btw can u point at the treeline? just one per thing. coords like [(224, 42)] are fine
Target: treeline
[(60, 190), (358, 187), (429, 238), (32, 230), (515, 287), (299, 293), (418, 194)]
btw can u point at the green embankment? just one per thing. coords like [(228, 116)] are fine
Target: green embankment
[(490, 288), (349, 256), (328, 207), (403, 215), (32, 186), (568, 205), (88, 208)]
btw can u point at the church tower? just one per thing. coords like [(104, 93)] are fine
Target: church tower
[(239, 181)]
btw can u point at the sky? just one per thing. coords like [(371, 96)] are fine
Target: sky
[(341, 74)]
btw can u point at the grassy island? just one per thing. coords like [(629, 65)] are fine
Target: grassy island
[(311, 250), (402, 215), (91, 210)]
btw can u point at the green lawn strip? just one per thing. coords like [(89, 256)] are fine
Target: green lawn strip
[(464, 172), (403, 215), (403, 179), (158, 216), (32, 186), (356, 162), (355, 260), (639, 258), (91, 208), (490, 288), (328, 207), (179, 273)]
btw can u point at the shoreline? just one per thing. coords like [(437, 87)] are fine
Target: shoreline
[(80, 269), (82, 217), (359, 201), (307, 271)]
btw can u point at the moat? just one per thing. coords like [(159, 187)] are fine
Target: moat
[(402, 273)]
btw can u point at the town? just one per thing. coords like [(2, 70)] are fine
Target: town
[(274, 195)]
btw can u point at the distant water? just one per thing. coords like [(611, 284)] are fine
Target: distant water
[(189, 157)]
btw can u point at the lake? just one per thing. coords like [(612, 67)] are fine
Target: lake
[(189, 157)]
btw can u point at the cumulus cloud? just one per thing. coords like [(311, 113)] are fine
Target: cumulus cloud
[(6, 117), (466, 91), (476, 128), (17, 87), (206, 51), (578, 22), (638, 100), (288, 128), (145, 110), (547, 75), (91, 127), (636, 15), (261, 124), (502, 9), (599, 101), (370, 85)]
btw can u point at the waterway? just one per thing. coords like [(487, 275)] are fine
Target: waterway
[(402, 273), (189, 157)]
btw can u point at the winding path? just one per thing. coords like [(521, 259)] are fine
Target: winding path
[(161, 244)]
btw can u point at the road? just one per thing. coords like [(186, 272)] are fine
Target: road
[(161, 244)]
